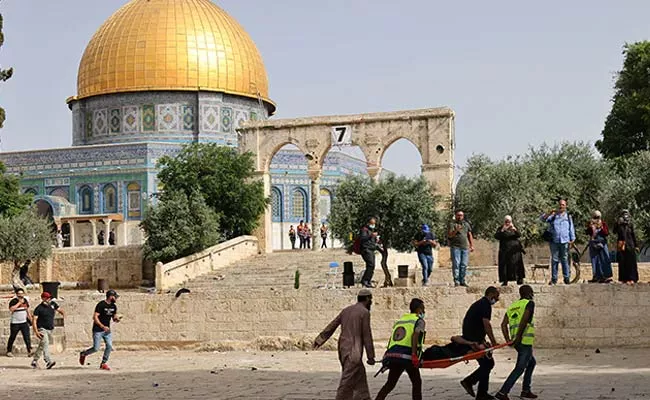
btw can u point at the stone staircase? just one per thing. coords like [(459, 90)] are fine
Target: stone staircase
[(276, 271)]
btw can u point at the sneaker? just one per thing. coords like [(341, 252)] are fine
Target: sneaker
[(105, 367), (10, 354), (456, 284), (468, 388), (82, 358), (485, 396), (464, 284), (34, 364), (30, 354), (501, 396), (552, 283), (50, 364), (567, 281), (528, 395)]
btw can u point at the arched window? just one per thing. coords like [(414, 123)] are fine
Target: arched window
[(86, 200), (60, 192), (134, 199), (299, 204), (276, 204), (110, 199), (31, 191)]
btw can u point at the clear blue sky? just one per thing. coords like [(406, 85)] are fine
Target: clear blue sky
[(517, 73)]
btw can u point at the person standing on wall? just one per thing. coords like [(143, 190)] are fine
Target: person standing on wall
[(601, 265), (627, 249), (561, 235), (424, 242), (43, 325), (476, 325), (518, 325), (404, 351), (356, 335), (292, 237), (105, 312), (461, 243), (368, 238), (20, 321), (511, 261)]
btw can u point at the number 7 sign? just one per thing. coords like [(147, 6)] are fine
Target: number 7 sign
[(341, 135)]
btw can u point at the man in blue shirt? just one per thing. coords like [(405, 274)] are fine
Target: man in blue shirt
[(563, 235)]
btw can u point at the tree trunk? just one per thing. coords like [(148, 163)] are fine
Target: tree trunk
[(388, 281)]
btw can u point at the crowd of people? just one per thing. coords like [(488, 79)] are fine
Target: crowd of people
[(560, 234), (405, 351), (304, 235)]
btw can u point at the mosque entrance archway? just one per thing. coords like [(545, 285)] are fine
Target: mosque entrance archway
[(44, 209), (430, 130)]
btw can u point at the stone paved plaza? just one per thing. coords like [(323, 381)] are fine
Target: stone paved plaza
[(571, 374)]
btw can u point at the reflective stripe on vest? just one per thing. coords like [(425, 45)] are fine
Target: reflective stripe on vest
[(515, 314), (401, 337)]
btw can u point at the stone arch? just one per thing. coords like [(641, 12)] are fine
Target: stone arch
[(373, 133), (44, 208), (31, 190), (410, 156)]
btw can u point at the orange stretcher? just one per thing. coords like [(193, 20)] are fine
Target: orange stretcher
[(448, 362)]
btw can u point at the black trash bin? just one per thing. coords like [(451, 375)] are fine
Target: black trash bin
[(52, 288), (402, 271)]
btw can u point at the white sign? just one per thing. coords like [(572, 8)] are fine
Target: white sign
[(341, 135)]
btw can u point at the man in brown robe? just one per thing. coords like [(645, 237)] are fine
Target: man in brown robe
[(355, 336)]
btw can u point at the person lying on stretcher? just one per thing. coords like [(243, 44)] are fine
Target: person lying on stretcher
[(457, 348)]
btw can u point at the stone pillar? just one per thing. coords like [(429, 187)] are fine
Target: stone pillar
[(374, 172), (72, 224), (314, 176), (107, 230), (264, 229), (441, 176), (93, 223)]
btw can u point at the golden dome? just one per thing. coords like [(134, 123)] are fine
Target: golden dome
[(172, 45)]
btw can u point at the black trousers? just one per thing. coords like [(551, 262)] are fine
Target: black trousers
[(481, 375), (394, 372), (13, 332), (369, 259)]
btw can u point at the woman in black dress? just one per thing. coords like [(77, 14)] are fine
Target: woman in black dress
[(627, 249), (511, 262)]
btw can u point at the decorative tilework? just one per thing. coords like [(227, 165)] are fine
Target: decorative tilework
[(89, 124), (168, 118), (115, 120), (148, 118), (209, 118), (100, 122), (240, 117), (226, 119), (188, 117), (130, 122)]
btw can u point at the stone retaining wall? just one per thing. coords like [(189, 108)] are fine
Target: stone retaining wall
[(567, 316)]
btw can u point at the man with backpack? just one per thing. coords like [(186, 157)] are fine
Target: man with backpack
[(560, 234), (366, 244)]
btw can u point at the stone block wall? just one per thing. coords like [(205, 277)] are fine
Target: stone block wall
[(566, 316), (121, 265)]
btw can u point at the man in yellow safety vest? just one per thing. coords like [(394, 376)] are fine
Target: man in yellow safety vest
[(405, 349), (518, 325)]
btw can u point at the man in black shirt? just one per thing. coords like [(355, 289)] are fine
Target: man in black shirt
[(368, 237), (475, 326), (43, 325), (105, 311)]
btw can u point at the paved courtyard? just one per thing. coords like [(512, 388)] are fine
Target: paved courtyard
[(574, 374)]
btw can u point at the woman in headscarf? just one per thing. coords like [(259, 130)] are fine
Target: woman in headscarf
[(511, 262), (627, 248), (601, 265)]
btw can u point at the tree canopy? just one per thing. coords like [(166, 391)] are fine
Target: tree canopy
[(627, 127), (4, 73), (25, 236), (401, 205), (529, 185), (224, 178), (178, 226), (12, 201)]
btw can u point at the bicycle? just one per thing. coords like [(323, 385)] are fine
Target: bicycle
[(575, 254)]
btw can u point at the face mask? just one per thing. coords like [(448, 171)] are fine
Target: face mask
[(493, 301), (371, 226), (421, 315)]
